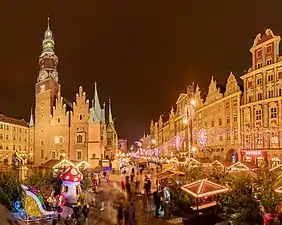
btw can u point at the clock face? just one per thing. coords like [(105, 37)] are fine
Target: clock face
[(54, 75), (42, 75)]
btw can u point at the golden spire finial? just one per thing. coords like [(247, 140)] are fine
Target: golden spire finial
[(48, 23)]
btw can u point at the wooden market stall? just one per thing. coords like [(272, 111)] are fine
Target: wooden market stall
[(202, 189)]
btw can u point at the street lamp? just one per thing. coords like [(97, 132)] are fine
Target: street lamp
[(189, 112)]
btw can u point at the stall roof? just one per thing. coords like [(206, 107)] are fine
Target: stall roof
[(204, 188), (242, 166), (164, 175)]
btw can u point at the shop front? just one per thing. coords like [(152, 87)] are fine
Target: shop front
[(254, 156)]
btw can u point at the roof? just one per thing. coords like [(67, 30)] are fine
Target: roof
[(164, 175), (204, 188), (10, 120), (238, 166), (53, 162)]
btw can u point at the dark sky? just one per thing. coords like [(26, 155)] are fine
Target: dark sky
[(141, 53)]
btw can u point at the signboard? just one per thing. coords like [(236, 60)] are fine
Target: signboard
[(105, 163), (253, 153)]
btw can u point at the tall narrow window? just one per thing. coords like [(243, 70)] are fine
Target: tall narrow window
[(79, 138), (258, 114), (273, 113)]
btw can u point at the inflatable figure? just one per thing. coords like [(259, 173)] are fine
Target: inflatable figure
[(70, 188), (32, 208)]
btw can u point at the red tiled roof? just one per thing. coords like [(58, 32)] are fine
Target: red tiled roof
[(14, 121)]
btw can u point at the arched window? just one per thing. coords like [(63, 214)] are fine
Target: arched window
[(80, 117), (1, 136), (79, 139)]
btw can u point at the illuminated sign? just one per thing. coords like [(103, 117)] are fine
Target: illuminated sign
[(253, 153), (105, 163)]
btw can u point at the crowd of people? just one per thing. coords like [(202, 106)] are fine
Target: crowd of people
[(79, 216)]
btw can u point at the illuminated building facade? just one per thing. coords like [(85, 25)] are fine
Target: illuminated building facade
[(76, 131), (215, 122), (14, 135), (232, 125), (261, 106)]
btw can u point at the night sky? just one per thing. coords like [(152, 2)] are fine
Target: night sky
[(142, 53)]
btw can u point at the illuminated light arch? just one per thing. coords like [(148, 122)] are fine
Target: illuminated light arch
[(82, 164), (64, 161), (217, 163), (238, 166)]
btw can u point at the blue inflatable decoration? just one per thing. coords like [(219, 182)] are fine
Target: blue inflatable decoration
[(17, 206)]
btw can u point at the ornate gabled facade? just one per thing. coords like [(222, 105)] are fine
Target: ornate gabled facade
[(214, 128), (261, 107), (231, 125), (61, 129)]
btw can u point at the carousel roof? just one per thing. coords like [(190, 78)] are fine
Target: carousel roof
[(204, 188)]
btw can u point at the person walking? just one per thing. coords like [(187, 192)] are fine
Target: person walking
[(157, 202), (128, 188), (85, 211), (129, 213), (120, 212)]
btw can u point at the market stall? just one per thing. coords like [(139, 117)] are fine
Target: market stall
[(202, 191)]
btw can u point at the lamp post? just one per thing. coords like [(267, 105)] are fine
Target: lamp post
[(188, 117)]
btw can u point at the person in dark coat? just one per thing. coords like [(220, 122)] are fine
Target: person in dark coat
[(120, 213), (157, 201), (129, 214), (85, 211), (128, 188)]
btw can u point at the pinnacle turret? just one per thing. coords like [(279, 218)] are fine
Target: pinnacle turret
[(110, 113), (111, 125), (96, 113), (48, 42), (48, 61), (31, 120)]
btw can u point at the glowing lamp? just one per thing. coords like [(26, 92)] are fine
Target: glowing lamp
[(193, 102)]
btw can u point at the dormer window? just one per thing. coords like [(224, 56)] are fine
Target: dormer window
[(269, 49)]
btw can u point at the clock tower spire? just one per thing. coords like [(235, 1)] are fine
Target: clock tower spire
[(48, 61)]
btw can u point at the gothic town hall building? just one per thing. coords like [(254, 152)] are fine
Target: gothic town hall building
[(77, 131)]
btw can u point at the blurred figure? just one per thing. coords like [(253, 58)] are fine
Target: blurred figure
[(120, 212), (129, 213), (128, 187), (85, 211), (157, 201), (137, 185)]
